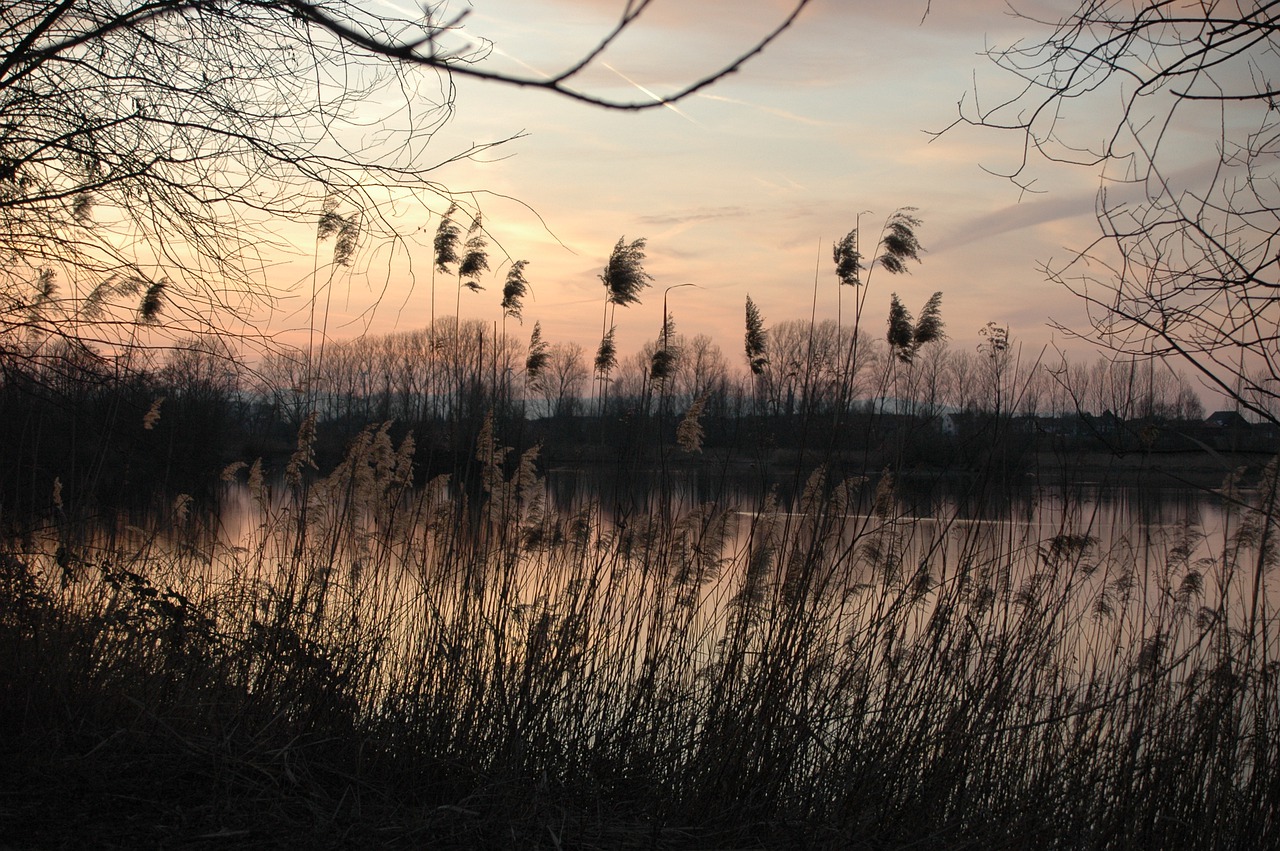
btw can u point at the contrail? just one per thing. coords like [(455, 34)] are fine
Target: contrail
[(493, 48), (654, 95)]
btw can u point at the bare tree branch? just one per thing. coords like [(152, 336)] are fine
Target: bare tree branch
[(423, 50), (196, 142), (1187, 264)]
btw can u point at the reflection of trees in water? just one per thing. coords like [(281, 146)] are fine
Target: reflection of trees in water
[(944, 529)]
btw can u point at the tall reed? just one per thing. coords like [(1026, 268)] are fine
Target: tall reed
[(472, 660)]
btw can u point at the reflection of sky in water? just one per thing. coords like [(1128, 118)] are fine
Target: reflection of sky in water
[(945, 524), (1113, 562)]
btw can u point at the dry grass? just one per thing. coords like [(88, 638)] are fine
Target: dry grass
[(370, 664)]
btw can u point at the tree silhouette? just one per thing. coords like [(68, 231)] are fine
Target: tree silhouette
[(423, 45), (1186, 263), (175, 143)]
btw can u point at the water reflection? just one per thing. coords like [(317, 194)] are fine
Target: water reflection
[(1106, 512), (934, 530)]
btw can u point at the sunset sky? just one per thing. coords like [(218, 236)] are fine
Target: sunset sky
[(743, 189)]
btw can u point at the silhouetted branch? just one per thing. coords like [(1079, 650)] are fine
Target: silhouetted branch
[(424, 50), (1187, 262)]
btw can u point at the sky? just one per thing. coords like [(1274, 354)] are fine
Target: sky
[(742, 189)]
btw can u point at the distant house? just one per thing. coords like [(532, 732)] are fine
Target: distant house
[(1227, 420), (1228, 431), (1102, 426)]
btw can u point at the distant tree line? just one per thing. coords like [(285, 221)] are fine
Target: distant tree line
[(121, 427)]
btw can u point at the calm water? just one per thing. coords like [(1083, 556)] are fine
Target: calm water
[(689, 548), (944, 524)]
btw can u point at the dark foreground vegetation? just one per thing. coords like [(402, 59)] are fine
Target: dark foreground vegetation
[(360, 660)]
